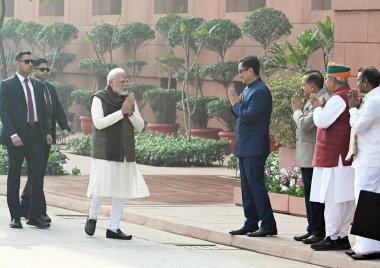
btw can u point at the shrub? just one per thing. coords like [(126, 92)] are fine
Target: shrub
[(200, 116), (139, 89), (163, 104), (176, 151), (222, 110), (82, 97), (64, 94), (282, 124), (80, 145), (54, 165), (281, 180)]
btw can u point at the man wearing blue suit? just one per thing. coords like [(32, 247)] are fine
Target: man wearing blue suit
[(253, 110)]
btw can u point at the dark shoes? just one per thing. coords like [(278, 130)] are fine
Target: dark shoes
[(302, 237), (313, 239), (118, 235), (15, 223), (350, 252), (329, 244), (370, 256), (90, 227), (262, 232), (243, 231), (46, 218), (344, 243), (38, 222)]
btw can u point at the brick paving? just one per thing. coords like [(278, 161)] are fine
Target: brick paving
[(164, 189)]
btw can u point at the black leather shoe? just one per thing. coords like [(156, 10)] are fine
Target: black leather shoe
[(344, 243), (243, 231), (302, 237), (370, 256), (262, 232), (90, 227), (118, 235), (313, 239), (46, 218), (326, 244), (15, 223), (38, 222), (350, 252)]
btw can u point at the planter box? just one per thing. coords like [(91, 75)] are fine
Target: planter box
[(297, 206), (205, 133), (286, 156), (86, 124), (163, 128), (231, 136), (279, 202)]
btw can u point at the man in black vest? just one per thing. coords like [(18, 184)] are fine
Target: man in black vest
[(25, 132), (56, 114), (114, 172)]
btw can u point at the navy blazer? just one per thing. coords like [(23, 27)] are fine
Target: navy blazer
[(253, 113), (14, 110), (58, 115)]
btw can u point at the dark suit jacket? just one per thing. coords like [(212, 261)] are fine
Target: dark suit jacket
[(58, 115), (14, 110), (253, 113)]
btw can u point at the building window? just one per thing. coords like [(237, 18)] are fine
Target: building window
[(244, 5), (165, 6), (52, 7), (106, 7), (10, 8), (320, 4)]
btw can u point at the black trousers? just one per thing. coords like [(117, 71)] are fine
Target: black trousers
[(33, 151), (25, 196), (256, 202), (314, 210)]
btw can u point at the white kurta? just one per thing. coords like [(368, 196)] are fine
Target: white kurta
[(111, 178), (365, 123), (343, 176)]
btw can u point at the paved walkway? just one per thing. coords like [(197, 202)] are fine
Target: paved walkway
[(195, 202)]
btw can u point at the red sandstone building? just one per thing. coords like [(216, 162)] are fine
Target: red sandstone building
[(357, 31)]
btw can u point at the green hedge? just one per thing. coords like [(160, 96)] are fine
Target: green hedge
[(176, 151), (80, 145), (165, 150), (54, 165)]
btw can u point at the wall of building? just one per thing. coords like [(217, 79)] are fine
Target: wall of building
[(357, 43)]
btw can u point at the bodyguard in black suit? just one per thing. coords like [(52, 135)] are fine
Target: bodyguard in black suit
[(25, 132), (253, 110), (56, 115)]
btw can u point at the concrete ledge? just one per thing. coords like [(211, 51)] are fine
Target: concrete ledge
[(281, 246), (276, 246)]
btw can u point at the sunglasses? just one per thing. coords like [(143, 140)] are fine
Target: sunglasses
[(27, 61), (242, 70), (42, 69)]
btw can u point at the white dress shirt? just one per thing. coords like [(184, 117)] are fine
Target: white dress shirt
[(365, 123)]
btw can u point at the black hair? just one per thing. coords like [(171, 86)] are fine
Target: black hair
[(251, 62), (314, 77), (371, 74), (39, 61), (22, 53)]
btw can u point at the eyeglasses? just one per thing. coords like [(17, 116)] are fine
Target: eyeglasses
[(242, 70), (42, 69), (27, 61)]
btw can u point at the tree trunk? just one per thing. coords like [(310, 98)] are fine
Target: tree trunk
[(3, 62)]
